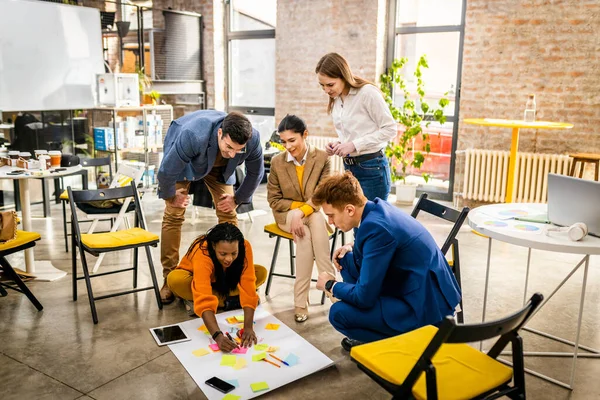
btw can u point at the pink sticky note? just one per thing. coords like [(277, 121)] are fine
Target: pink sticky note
[(214, 347), (239, 350)]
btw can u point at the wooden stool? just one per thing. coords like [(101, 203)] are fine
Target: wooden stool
[(584, 158)]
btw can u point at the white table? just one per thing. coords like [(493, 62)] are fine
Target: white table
[(489, 219), (43, 270)]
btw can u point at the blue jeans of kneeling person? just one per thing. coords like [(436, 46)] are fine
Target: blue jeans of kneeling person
[(369, 325), (373, 176)]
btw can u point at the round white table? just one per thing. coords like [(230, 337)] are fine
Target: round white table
[(497, 222), (43, 270)]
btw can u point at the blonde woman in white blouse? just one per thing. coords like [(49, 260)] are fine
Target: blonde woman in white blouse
[(363, 123)]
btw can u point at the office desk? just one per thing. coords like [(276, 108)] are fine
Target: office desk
[(514, 145), (44, 270), (491, 220)]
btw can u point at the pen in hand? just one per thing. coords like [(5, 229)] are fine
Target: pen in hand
[(230, 338)]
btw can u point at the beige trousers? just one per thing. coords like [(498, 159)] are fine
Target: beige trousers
[(314, 246), (173, 219)]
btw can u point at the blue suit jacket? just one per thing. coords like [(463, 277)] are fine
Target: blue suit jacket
[(190, 151), (401, 269)]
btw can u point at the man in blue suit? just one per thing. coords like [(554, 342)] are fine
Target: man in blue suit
[(206, 145), (395, 278)]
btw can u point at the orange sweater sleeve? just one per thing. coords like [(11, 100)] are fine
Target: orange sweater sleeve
[(247, 285), (204, 299)]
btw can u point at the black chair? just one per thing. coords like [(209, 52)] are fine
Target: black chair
[(98, 243), (447, 367), (457, 218), (23, 241), (64, 197), (274, 231)]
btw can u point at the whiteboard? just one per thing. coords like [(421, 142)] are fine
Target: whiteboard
[(49, 56)]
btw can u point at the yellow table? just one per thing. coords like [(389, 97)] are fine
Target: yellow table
[(514, 145)]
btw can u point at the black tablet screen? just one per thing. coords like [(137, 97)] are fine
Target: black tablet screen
[(169, 333)]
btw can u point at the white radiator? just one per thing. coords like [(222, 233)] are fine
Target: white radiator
[(486, 175), (320, 142)]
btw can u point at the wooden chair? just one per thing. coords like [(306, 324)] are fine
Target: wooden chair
[(24, 240), (431, 363), (457, 218), (274, 231), (582, 159), (100, 243)]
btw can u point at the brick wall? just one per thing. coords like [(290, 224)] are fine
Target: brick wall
[(307, 30), (546, 47)]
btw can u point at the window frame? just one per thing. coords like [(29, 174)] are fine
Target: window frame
[(392, 34), (242, 35)]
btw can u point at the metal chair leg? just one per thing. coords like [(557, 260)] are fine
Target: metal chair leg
[(74, 262), (88, 284), (292, 258), (273, 262), (153, 276), (3, 292), (64, 210), (8, 269), (135, 267)]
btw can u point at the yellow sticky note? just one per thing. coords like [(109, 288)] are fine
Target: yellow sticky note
[(203, 328), (261, 347), (272, 349), (200, 352), (230, 396), (231, 320), (272, 327), (258, 386), (239, 318), (259, 356), (240, 326), (240, 363), (228, 361)]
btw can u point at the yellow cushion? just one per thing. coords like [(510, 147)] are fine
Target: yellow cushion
[(122, 238), (64, 195), (274, 230), (22, 238), (462, 371)]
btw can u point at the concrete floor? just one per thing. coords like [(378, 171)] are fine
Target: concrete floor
[(60, 354)]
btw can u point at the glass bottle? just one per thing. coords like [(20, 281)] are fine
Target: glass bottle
[(529, 115)]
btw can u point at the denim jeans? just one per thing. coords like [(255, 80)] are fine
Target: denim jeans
[(373, 176)]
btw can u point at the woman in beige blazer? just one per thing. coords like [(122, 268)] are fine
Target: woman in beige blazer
[(293, 178)]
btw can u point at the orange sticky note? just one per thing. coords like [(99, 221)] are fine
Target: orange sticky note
[(203, 328), (272, 349), (232, 320)]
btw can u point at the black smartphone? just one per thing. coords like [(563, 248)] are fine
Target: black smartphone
[(220, 385)]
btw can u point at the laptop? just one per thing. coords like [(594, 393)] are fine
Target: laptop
[(572, 200)]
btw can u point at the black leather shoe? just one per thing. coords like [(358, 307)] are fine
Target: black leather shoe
[(348, 343)]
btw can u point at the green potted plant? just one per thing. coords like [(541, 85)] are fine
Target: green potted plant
[(412, 114)]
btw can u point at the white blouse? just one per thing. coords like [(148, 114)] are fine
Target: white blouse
[(364, 119)]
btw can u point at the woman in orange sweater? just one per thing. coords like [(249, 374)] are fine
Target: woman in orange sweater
[(218, 273)]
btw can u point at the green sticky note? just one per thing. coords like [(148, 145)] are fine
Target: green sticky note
[(230, 396), (261, 347), (240, 318), (228, 361), (258, 386), (258, 357)]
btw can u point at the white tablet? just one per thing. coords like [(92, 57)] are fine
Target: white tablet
[(170, 334)]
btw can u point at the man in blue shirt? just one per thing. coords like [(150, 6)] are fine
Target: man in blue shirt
[(395, 278), (206, 145)]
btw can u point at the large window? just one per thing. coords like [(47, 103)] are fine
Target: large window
[(251, 77), (434, 28)]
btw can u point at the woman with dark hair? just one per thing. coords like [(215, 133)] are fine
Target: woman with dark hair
[(218, 273), (294, 177), (363, 122)]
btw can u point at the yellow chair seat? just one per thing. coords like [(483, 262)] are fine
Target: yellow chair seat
[(462, 371), (64, 195), (111, 240), (274, 229), (22, 238)]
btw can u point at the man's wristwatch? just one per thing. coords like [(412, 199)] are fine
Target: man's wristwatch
[(329, 285)]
